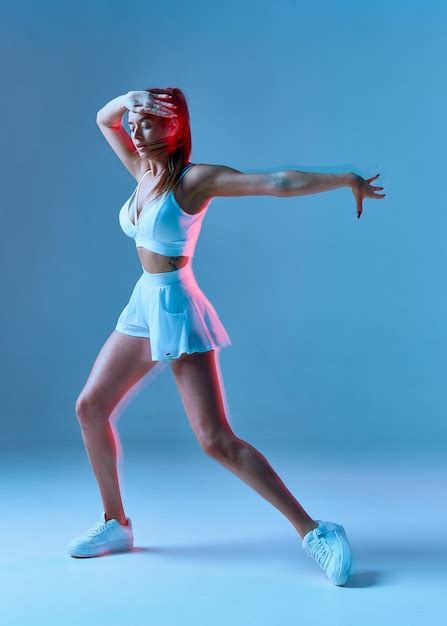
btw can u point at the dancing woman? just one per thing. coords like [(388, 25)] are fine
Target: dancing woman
[(169, 318)]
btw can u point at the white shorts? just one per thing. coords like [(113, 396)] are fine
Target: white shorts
[(172, 310)]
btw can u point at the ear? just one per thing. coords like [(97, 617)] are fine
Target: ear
[(173, 125)]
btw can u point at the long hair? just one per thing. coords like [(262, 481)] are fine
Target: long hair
[(178, 147)]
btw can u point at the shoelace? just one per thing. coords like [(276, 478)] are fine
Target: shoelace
[(97, 528), (321, 550)]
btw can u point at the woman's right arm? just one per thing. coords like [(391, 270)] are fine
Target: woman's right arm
[(109, 120)]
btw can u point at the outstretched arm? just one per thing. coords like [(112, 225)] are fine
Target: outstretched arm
[(221, 180), (297, 183)]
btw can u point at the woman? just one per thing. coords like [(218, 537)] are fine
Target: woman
[(169, 318)]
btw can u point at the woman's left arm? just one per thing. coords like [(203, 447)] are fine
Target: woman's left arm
[(297, 183), (221, 180)]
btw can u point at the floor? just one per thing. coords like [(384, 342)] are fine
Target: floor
[(209, 550)]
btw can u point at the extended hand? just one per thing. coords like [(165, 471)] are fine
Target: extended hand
[(361, 188)]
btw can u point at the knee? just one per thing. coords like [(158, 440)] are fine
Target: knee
[(90, 408), (221, 446)]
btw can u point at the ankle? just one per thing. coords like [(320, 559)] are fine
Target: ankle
[(307, 528), (122, 520)]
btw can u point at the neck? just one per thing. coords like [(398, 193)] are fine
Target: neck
[(156, 167)]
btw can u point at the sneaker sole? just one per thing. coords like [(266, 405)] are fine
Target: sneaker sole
[(108, 548)]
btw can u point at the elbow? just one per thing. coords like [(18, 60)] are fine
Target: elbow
[(279, 183), (100, 118)]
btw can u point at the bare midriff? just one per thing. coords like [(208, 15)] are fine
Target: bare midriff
[(156, 263)]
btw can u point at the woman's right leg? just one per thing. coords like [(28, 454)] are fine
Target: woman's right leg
[(121, 363)]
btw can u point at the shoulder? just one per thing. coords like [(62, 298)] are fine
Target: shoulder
[(194, 182), (197, 174), (200, 179)]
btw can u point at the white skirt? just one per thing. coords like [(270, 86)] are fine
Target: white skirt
[(172, 310)]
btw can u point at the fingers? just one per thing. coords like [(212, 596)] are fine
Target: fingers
[(164, 112), (368, 190), (157, 94), (171, 106), (371, 189), (167, 109), (359, 206), (374, 194)]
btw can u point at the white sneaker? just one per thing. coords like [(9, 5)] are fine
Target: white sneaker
[(329, 546), (104, 537)]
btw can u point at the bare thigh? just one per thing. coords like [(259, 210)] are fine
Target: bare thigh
[(197, 379), (122, 361)]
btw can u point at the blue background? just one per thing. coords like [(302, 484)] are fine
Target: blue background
[(337, 323), (338, 362)]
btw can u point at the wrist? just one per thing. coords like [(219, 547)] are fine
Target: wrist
[(112, 113), (348, 179)]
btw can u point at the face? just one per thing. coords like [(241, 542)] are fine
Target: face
[(145, 129)]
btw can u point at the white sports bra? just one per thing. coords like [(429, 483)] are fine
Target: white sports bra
[(162, 226)]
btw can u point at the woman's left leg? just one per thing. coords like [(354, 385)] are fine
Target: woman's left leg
[(197, 379)]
